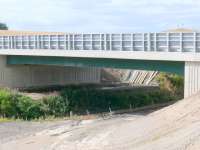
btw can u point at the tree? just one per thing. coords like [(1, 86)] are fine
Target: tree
[(3, 26)]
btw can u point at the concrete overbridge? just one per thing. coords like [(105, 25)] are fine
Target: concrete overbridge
[(175, 52)]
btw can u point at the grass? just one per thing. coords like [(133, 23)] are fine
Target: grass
[(8, 119), (52, 118)]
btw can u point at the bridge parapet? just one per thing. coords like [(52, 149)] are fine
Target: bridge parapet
[(159, 42)]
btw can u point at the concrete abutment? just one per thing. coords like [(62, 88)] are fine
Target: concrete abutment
[(192, 78)]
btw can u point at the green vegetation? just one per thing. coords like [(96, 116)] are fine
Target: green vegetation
[(78, 99), (173, 83), (96, 100), (3, 119), (3, 26), (84, 99), (14, 105)]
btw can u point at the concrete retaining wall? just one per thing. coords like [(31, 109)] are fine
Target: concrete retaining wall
[(14, 76), (192, 78)]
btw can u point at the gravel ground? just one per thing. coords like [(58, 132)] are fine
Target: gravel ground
[(10, 131), (176, 127)]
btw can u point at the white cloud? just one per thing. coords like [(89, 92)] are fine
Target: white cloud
[(99, 15)]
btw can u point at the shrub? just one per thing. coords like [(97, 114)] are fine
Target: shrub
[(7, 103), (18, 106), (173, 83), (96, 100), (28, 109), (55, 105)]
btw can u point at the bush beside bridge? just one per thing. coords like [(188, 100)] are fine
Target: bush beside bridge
[(78, 100)]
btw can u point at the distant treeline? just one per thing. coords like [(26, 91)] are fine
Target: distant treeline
[(3, 26)]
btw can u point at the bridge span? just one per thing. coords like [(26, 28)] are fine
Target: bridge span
[(176, 52)]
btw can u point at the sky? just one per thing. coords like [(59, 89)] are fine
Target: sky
[(100, 15)]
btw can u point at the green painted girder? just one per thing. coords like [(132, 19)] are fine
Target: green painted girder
[(163, 66)]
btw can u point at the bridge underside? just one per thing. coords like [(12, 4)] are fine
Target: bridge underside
[(164, 66), (190, 70)]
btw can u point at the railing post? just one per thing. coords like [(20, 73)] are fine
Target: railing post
[(22, 39), (82, 42), (121, 42), (195, 41), (91, 35), (38, 42), (105, 41), (132, 41), (110, 41), (42, 41), (11, 42), (168, 42), (57, 41), (181, 42), (101, 41), (143, 41), (68, 42), (49, 39), (149, 41), (155, 42), (29, 43), (35, 42)]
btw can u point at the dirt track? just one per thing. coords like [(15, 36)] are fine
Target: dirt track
[(176, 127)]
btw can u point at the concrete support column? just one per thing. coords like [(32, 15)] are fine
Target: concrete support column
[(192, 78)]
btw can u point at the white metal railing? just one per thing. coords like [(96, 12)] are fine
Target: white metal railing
[(165, 42)]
